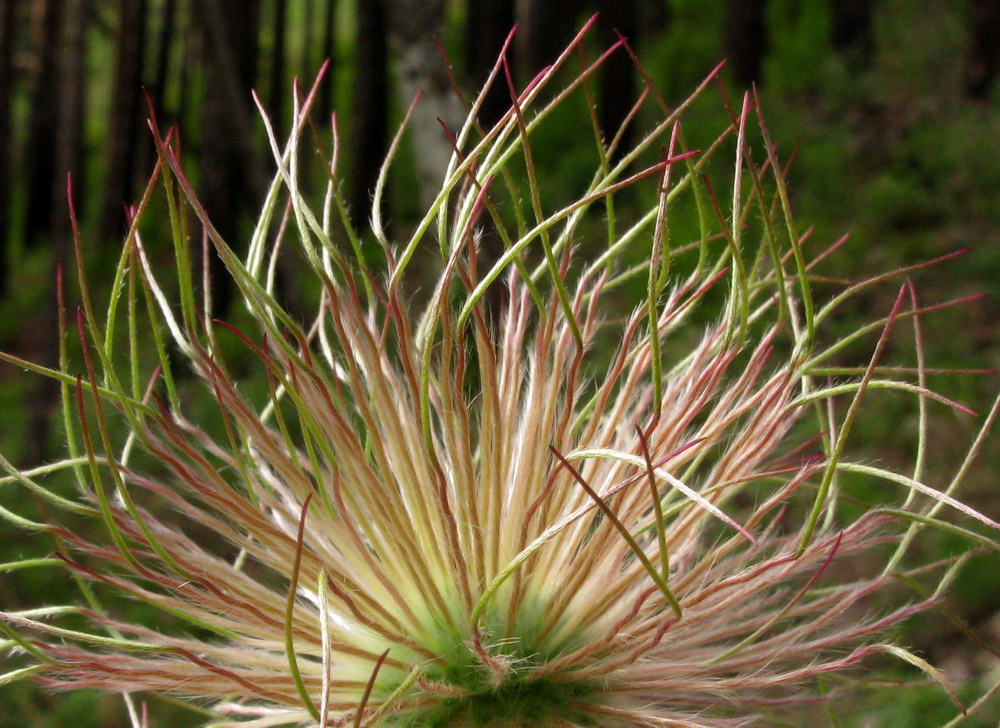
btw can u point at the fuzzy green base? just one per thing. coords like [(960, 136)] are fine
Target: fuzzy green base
[(519, 702)]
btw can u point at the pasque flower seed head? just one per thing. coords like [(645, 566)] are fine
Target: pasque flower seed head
[(592, 479)]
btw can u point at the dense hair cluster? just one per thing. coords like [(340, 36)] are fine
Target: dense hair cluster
[(574, 483)]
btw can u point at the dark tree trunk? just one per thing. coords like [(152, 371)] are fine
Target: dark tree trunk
[(8, 31), (126, 132), (308, 30), (55, 137), (654, 18), (487, 25), (161, 70), (277, 91), (71, 115), (852, 31), (548, 26), (232, 176), (745, 40), (40, 151), (982, 64), (324, 104), (488, 22), (156, 86), (371, 106), (68, 52), (618, 75), (193, 42)]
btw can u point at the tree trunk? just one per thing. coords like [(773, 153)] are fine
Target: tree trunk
[(324, 104), (745, 40), (487, 24), (618, 75), (71, 116), (415, 26), (157, 84), (233, 181), (126, 131), (161, 69), (277, 93), (8, 30), (370, 115), (66, 60), (39, 151), (852, 31), (547, 27), (194, 43), (982, 64), (654, 18), (308, 31)]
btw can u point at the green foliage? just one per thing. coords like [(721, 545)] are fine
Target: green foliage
[(513, 703)]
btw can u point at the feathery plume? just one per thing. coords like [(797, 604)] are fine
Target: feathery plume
[(590, 480)]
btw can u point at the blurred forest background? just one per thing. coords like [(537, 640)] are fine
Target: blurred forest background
[(896, 104)]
